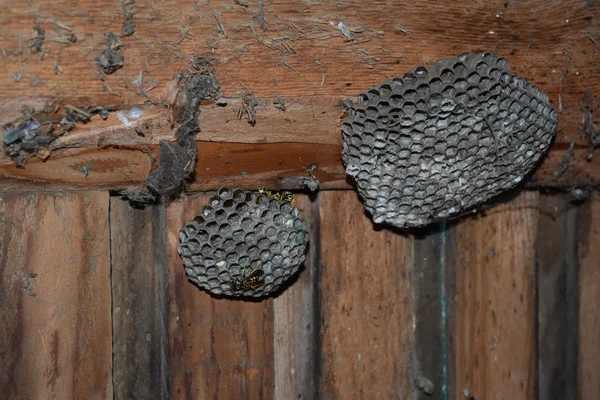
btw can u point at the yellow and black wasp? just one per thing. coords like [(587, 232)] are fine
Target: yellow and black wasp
[(286, 196), (251, 281)]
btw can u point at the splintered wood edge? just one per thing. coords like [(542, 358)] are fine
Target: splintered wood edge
[(118, 152)]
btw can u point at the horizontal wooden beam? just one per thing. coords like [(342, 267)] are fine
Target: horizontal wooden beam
[(110, 155), (297, 53)]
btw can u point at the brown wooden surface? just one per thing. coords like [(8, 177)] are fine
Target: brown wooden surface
[(365, 304), (300, 56), (495, 336), (219, 348), (297, 321), (432, 266), (589, 298), (557, 311), (55, 304), (139, 301)]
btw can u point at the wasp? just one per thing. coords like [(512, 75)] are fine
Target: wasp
[(286, 196), (252, 281)]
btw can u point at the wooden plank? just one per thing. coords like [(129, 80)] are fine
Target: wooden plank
[(589, 297), (140, 302), (55, 296), (557, 312), (494, 311), (300, 56), (432, 267), (365, 304), (297, 321), (219, 348)]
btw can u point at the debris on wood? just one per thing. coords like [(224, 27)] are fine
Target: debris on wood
[(564, 164), (178, 160), (280, 104), (85, 169), (129, 12), (310, 182), (37, 42), (24, 139), (248, 107), (220, 28), (260, 17), (144, 85), (139, 195), (111, 58), (73, 116), (27, 286), (134, 114), (588, 126), (33, 135), (342, 28)]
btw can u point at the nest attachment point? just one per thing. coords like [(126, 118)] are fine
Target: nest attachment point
[(243, 243), (437, 142)]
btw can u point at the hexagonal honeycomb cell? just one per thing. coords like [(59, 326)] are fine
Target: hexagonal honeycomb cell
[(243, 244), (437, 142)]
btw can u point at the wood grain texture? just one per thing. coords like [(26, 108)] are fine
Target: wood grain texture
[(494, 326), (298, 54), (557, 293), (589, 297), (139, 301), (55, 302), (297, 321), (366, 304), (431, 266), (219, 348)]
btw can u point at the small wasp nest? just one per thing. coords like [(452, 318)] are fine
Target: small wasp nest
[(436, 142), (243, 244)]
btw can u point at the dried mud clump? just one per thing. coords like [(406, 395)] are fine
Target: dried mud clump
[(436, 142), (240, 232)]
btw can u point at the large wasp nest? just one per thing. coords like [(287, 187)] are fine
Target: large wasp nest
[(436, 142), (243, 244)]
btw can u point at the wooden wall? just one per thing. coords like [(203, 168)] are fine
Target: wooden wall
[(95, 304)]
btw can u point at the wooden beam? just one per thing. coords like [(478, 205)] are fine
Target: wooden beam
[(55, 297), (366, 304), (494, 303), (588, 369), (300, 56), (139, 300)]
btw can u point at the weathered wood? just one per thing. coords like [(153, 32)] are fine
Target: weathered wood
[(55, 301), (139, 301), (300, 55), (432, 267), (297, 321), (366, 304), (588, 368), (494, 326), (557, 314), (219, 348)]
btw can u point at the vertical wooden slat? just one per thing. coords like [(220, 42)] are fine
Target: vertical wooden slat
[(494, 315), (557, 298), (219, 348), (297, 320), (140, 304), (366, 304), (589, 301), (432, 267), (55, 296)]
